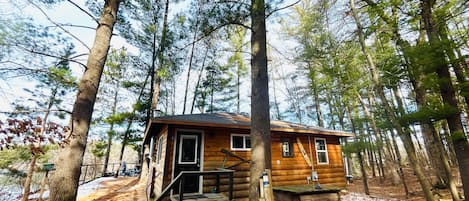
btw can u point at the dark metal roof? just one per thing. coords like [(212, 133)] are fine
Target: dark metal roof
[(232, 120)]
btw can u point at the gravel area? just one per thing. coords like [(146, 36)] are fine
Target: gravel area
[(352, 196), (10, 193)]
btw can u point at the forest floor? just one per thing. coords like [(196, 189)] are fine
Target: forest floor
[(387, 191), (129, 189), (119, 189)]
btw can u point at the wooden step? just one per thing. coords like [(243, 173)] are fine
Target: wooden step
[(201, 197)]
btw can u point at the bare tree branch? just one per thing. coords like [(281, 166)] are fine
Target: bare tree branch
[(53, 56), (58, 25), (85, 11), (212, 31), (21, 67), (73, 25), (282, 8), (35, 111), (236, 2)]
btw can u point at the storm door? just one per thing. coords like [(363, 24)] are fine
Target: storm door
[(188, 158)]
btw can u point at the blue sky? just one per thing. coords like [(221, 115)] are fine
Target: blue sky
[(66, 13)]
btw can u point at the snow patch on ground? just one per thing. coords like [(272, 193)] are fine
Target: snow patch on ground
[(10, 188), (83, 190), (10, 193), (90, 187)]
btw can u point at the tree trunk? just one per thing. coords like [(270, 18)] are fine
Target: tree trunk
[(276, 104), (29, 177), (448, 95), (162, 48), (129, 124), (451, 151), (198, 80), (260, 118), (432, 143), (43, 185), (111, 131), (403, 130), (363, 171), (387, 156), (108, 151), (191, 57), (35, 155), (371, 159), (317, 102), (456, 63), (64, 182), (399, 161)]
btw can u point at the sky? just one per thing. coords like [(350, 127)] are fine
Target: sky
[(66, 13), (61, 13)]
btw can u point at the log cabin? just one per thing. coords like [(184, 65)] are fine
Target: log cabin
[(221, 141)]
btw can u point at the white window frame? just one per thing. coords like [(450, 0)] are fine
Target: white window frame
[(196, 147), (321, 151), (159, 151), (244, 142)]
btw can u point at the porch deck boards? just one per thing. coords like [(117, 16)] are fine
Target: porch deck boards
[(201, 197)]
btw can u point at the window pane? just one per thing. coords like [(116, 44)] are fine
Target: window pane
[(160, 151), (248, 142), (322, 157), (188, 149), (285, 147), (320, 145), (237, 142)]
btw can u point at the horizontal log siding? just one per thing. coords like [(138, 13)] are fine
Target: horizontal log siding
[(286, 171)]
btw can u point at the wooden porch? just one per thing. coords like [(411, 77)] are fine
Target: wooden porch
[(178, 183)]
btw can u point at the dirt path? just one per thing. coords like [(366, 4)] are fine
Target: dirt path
[(120, 189), (387, 191), (129, 189)]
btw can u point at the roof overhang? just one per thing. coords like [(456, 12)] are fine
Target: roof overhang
[(155, 125)]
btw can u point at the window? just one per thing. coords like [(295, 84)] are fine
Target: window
[(159, 150), (287, 148), (188, 149), (240, 142), (321, 150)]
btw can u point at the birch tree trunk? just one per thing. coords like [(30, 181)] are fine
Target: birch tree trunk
[(64, 182)]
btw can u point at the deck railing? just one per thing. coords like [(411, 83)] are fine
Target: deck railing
[(179, 182), (90, 172)]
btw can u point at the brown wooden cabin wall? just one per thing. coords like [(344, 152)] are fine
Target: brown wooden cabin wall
[(160, 166), (285, 171), (169, 157)]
